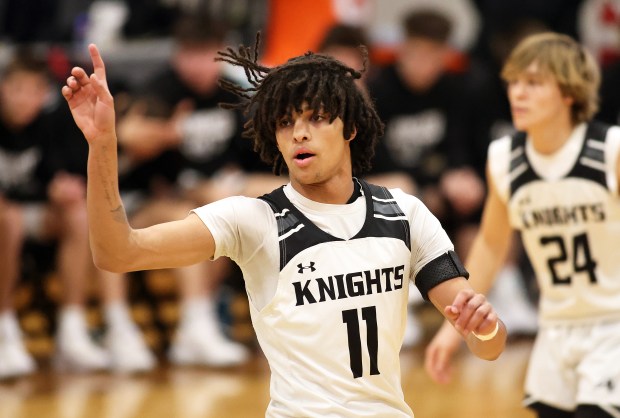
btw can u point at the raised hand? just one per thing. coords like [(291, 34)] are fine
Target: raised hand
[(89, 99)]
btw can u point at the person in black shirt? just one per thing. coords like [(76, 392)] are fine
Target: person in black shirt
[(42, 200), (179, 149), (425, 149)]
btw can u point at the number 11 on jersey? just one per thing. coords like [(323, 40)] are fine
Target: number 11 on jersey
[(351, 319)]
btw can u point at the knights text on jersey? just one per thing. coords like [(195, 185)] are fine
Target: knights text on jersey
[(569, 220)]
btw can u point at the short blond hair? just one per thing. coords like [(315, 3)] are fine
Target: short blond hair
[(570, 64)]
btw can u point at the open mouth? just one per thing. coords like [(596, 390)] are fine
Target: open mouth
[(303, 156)]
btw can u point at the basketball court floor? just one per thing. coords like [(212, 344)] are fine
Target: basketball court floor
[(480, 389)]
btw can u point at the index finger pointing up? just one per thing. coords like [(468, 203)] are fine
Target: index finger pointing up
[(98, 66)]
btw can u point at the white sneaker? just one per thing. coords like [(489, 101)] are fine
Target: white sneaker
[(75, 350), (203, 344), (15, 360), (128, 351), (79, 355)]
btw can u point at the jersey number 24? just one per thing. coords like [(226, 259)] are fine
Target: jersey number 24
[(582, 258)]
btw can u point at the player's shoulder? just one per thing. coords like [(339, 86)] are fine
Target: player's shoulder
[(500, 146), (499, 154), (382, 192), (613, 133), (609, 135), (408, 203), (239, 205), (399, 195)]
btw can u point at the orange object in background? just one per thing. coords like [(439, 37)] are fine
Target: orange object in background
[(295, 27)]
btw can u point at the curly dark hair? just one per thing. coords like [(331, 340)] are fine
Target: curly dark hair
[(319, 81)]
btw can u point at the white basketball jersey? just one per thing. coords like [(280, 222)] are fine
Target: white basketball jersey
[(340, 307), (328, 289), (567, 209)]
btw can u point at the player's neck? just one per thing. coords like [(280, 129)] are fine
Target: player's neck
[(335, 191), (550, 137)]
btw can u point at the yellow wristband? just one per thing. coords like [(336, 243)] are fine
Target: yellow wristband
[(489, 336)]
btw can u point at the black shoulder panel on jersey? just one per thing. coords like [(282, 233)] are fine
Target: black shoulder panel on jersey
[(591, 162), (296, 232), (520, 169), (517, 142), (384, 218), (445, 267)]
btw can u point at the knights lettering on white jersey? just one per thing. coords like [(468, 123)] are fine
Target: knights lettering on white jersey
[(567, 208)]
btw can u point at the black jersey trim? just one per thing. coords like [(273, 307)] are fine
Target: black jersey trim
[(521, 171), (445, 267), (590, 162), (296, 233), (384, 218)]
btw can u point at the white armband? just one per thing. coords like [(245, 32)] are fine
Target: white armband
[(489, 336)]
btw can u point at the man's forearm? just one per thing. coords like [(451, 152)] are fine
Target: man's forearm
[(108, 226)]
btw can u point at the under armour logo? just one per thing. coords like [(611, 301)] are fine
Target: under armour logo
[(301, 267)]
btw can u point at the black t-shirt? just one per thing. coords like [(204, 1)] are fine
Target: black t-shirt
[(487, 112), (26, 160), (208, 143), (68, 147), (211, 131), (30, 157), (423, 130)]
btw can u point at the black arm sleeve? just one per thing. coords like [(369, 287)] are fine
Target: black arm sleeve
[(445, 267)]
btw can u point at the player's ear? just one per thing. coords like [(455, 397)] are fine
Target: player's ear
[(353, 133)]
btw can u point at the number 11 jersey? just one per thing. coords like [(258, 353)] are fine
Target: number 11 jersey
[(328, 290)]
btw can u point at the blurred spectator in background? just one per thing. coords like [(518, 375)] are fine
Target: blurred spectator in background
[(40, 199), (343, 42), (387, 32), (437, 135), (122, 340), (178, 151), (557, 15), (423, 107)]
